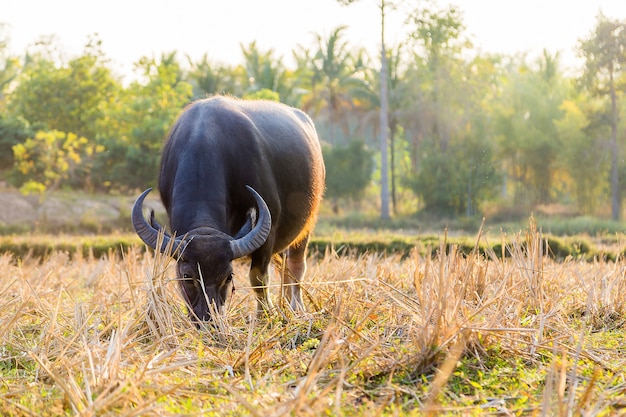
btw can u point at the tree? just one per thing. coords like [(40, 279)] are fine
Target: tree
[(397, 98), (384, 120), (582, 155), (67, 98), (264, 71), (438, 33), (405, 110), (348, 171), (444, 113), (262, 94), (135, 125), (49, 158), (398, 93), (208, 78), (13, 130), (383, 6), (9, 66), (529, 143), (334, 83), (605, 62), (456, 181)]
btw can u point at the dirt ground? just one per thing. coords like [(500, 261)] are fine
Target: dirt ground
[(72, 210)]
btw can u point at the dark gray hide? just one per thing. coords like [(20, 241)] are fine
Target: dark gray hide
[(223, 159)]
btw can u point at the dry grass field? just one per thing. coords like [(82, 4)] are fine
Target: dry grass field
[(445, 334)]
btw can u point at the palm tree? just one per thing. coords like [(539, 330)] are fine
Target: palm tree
[(208, 78), (605, 64), (336, 79), (399, 112), (265, 72), (383, 6)]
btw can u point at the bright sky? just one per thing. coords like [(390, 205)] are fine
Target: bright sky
[(131, 29)]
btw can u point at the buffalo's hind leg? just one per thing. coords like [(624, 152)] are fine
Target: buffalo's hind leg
[(296, 267)]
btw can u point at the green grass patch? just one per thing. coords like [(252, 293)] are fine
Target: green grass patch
[(343, 242), (558, 247), (42, 245)]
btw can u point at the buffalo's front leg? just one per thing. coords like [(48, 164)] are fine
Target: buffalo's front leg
[(259, 280)]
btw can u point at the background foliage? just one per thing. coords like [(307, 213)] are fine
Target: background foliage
[(469, 132)]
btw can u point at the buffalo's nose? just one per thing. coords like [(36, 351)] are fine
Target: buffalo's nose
[(200, 318), (203, 313)]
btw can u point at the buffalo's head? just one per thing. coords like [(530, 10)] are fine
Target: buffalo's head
[(204, 255)]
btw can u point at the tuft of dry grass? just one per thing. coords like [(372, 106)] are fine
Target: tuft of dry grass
[(441, 333)]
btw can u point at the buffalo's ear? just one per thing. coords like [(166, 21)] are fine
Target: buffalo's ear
[(258, 235), (248, 225), (153, 221), (148, 233)]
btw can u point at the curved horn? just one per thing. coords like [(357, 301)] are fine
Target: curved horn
[(257, 236), (145, 230)]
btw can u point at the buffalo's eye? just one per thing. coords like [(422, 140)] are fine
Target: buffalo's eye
[(229, 278), (187, 276)]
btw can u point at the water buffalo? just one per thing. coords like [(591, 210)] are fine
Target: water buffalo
[(237, 178)]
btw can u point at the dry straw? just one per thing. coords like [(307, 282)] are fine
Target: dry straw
[(382, 335)]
